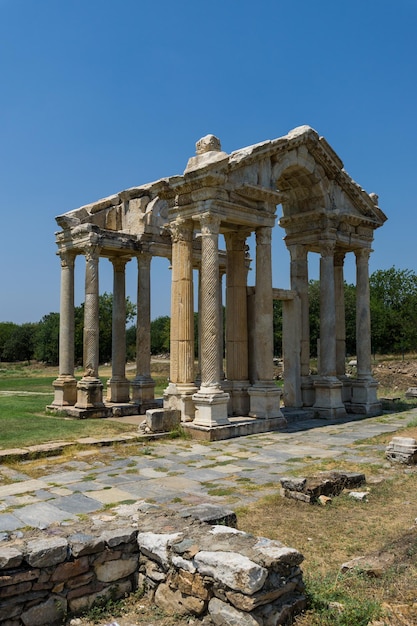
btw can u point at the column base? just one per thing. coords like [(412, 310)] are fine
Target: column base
[(328, 402), (346, 390), (118, 390), (89, 393), (210, 407), (143, 393), (364, 397), (265, 400), (179, 397), (65, 393)]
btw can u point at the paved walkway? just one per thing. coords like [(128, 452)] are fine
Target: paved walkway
[(177, 473)]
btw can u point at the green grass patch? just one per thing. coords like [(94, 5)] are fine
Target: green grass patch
[(24, 422)]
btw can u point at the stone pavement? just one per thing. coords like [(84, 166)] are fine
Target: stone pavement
[(179, 473)]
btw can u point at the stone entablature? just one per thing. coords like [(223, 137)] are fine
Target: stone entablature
[(181, 218)]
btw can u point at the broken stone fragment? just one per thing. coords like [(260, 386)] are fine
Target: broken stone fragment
[(402, 450)]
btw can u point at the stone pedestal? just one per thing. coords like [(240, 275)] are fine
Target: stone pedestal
[(118, 390), (143, 393), (210, 407), (265, 402), (65, 392), (179, 397), (90, 398), (240, 400), (328, 403), (364, 397)]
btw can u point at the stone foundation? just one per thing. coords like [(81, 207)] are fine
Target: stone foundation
[(185, 565)]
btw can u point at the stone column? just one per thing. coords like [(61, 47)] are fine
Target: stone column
[(65, 385), (237, 323), (90, 387), (328, 388), (299, 283), (339, 286), (118, 385), (143, 385), (210, 401), (364, 398), (265, 396), (178, 394)]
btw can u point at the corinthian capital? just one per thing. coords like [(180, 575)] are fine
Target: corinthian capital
[(210, 224), (181, 230)]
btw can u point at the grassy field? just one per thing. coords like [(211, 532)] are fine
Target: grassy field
[(25, 391)]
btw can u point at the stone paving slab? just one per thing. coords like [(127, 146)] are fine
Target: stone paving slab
[(189, 470)]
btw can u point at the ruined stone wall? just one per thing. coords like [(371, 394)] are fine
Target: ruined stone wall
[(187, 567)]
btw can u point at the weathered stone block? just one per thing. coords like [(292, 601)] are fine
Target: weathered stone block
[(174, 602), (402, 450), (10, 557), (155, 546), (232, 569), (162, 420), (70, 569), (46, 552), (50, 612), (115, 570), (223, 614)]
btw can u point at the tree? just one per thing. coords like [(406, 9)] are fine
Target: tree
[(393, 295), (20, 346), (47, 339), (6, 331), (160, 334)]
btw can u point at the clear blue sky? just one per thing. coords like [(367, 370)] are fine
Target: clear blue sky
[(100, 95)]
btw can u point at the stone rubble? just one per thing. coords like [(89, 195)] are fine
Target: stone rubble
[(320, 488), (185, 566), (402, 450)]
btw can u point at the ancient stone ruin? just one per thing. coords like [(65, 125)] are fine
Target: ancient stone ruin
[(181, 218)]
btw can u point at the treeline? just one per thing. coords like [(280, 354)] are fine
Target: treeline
[(393, 296)]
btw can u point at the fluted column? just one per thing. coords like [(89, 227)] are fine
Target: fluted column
[(143, 385), (364, 387), (265, 396), (178, 394), (118, 385), (210, 400), (328, 402), (65, 385), (237, 322), (90, 388)]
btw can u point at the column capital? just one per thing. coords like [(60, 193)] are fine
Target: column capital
[(181, 230), (236, 240), (119, 262), (67, 258), (327, 248), (92, 251), (263, 235), (339, 258), (210, 224), (298, 251), (363, 254)]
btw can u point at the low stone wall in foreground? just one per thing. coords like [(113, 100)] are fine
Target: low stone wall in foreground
[(186, 566)]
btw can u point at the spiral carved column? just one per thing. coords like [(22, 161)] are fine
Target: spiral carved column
[(90, 387), (210, 400)]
